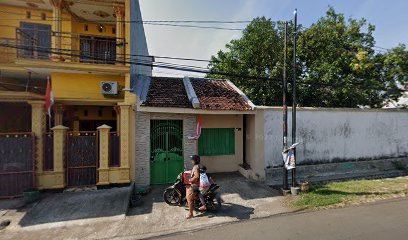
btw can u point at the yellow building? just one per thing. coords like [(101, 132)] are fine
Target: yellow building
[(81, 46)]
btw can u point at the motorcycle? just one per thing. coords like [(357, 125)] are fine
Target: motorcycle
[(175, 195)]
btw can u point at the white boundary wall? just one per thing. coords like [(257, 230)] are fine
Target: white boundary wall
[(332, 135)]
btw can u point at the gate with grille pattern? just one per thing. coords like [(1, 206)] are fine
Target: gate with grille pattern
[(166, 150), (82, 158), (17, 168)]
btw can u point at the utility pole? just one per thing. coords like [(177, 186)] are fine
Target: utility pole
[(285, 107), (294, 98)]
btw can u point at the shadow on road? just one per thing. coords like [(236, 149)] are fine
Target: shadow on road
[(68, 206), (237, 190), (146, 206), (231, 210), (324, 191)]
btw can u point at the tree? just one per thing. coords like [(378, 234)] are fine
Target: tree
[(337, 63), (257, 53)]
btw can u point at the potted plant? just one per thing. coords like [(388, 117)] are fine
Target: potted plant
[(31, 195), (294, 190), (304, 186)]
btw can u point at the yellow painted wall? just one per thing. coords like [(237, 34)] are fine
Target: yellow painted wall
[(255, 153), (227, 163), (108, 113), (18, 14), (92, 113), (81, 86), (79, 28), (11, 17)]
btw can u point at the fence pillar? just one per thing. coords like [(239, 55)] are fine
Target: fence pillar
[(55, 179), (104, 147), (60, 136), (38, 128), (122, 174)]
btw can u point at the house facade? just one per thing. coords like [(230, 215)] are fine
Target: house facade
[(168, 113), (83, 49)]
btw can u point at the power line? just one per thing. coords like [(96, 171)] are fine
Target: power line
[(149, 64), (159, 24), (382, 48), (4, 84), (194, 26), (170, 23), (184, 68), (126, 54), (178, 68), (63, 51), (178, 58), (18, 85), (152, 22), (193, 21), (164, 23), (378, 47)]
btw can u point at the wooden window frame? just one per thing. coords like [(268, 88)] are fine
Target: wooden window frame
[(216, 142)]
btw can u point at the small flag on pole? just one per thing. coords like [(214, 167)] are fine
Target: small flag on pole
[(49, 100), (198, 131)]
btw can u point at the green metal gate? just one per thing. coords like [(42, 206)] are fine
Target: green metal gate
[(166, 150)]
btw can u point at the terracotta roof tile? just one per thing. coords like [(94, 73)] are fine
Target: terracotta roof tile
[(218, 95), (167, 92), (212, 94)]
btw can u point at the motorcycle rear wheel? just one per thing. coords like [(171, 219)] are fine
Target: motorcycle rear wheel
[(214, 205), (172, 197)]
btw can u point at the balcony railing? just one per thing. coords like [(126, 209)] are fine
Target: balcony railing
[(7, 51), (74, 47)]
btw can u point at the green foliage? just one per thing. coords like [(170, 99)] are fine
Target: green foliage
[(319, 197), (337, 64), (257, 53), (348, 192)]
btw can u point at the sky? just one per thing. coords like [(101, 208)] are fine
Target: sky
[(389, 17)]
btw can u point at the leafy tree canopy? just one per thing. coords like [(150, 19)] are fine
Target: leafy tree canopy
[(338, 65)]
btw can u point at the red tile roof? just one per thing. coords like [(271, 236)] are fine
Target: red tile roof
[(167, 92), (218, 95), (212, 94)]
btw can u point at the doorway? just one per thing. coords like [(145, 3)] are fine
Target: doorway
[(166, 150)]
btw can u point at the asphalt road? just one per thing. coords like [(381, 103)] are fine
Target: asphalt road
[(382, 220)]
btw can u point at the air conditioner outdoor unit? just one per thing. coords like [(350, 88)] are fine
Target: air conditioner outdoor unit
[(109, 88)]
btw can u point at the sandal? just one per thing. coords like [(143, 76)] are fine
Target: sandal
[(202, 208)]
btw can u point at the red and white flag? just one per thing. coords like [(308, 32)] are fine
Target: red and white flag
[(198, 131), (49, 99), (199, 124)]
